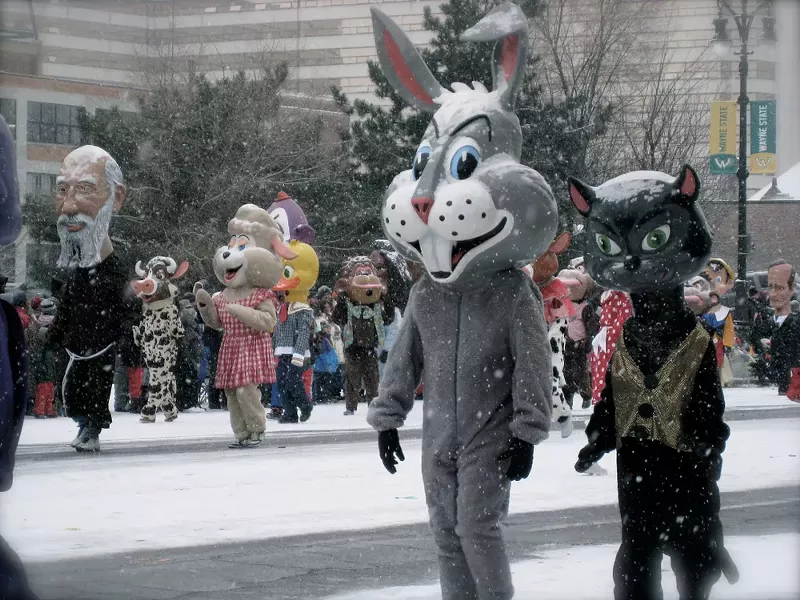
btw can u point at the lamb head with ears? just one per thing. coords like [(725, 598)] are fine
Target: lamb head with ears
[(253, 255)]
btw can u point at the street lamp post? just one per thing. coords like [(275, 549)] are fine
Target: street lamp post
[(722, 43)]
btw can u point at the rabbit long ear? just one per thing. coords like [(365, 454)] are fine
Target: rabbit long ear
[(403, 66), (507, 25)]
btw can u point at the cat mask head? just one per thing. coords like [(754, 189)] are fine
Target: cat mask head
[(645, 230), (466, 206)]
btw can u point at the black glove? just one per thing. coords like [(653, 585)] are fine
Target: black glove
[(388, 446), (588, 455), (384, 355), (521, 454)]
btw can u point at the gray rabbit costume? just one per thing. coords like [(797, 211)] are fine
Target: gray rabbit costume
[(472, 214)]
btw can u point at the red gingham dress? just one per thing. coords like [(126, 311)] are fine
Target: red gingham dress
[(245, 356)]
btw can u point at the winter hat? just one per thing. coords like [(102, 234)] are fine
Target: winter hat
[(47, 306), (36, 302), (189, 297), (323, 291), (18, 299)]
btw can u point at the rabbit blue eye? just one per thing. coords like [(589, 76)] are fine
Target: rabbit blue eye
[(420, 160), (464, 162), (242, 247)]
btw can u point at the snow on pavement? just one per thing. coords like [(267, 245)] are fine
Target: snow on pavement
[(767, 565), (326, 417), (197, 424), (98, 505)]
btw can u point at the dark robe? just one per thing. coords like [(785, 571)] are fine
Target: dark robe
[(94, 313)]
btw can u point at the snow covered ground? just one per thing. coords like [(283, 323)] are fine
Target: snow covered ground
[(103, 504), (767, 564), (215, 424)]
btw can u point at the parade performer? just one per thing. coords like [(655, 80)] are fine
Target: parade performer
[(245, 312), (291, 219), (662, 406), (473, 215), (361, 314), (719, 319), (95, 306), (557, 309), (294, 330), (720, 276), (615, 309), (158, 332), (781, 331), (582, 326)]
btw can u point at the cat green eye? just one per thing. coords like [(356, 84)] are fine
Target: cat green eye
[(656, 238), (607, 245)]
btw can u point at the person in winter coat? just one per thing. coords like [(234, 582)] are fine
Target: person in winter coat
[(326, 365), (581, 329), (42, 362), (391, 269), (190, 353), (13, 367)]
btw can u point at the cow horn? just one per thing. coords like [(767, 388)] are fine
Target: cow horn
[(139, 270), (172, 266)]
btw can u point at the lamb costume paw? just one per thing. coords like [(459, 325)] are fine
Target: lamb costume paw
[(473, 215)]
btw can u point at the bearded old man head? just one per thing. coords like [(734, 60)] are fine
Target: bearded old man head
[(89, 190)]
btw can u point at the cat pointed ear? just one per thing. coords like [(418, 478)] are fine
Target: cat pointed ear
[(506, 25), (582, 196), (403, 66), (687, 183)]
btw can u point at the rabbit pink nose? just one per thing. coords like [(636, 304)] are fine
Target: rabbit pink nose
[(423, 206)]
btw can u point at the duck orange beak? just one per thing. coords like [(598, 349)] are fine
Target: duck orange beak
[(286, 284)]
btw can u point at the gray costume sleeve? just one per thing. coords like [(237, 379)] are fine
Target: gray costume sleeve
[(532, 368), (401, 376)]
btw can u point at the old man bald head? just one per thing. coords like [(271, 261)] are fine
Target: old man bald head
[(89, 190)]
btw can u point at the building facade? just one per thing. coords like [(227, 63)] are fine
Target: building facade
[(56, 55)]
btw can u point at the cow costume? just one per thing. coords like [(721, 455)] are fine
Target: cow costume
[(95, 306), (158, 333), (557, 309), (473, 215)]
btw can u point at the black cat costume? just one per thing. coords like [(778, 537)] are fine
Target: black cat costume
[(662, 407)]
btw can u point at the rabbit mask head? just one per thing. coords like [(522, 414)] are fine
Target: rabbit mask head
[(466, 206)]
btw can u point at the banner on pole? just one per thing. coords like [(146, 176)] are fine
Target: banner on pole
[(722, 150), (763, 158)]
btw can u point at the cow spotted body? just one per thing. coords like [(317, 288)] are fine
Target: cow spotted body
[(558, 342), (158, 334)]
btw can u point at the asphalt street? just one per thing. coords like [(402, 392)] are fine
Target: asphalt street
[(313, 566)]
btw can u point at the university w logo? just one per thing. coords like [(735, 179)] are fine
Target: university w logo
[(763, 162), (723, 163)]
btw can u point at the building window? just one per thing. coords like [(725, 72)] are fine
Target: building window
[(41, 184), (53, 124), (8, 108)]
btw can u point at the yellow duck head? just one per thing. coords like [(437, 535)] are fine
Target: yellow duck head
[(300, 273)]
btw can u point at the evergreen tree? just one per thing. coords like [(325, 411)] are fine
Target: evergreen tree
[(383, 139)]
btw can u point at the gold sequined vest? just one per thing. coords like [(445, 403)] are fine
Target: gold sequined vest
[(652, 407)]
